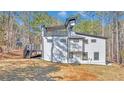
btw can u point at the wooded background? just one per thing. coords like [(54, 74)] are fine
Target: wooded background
[(20, 28)]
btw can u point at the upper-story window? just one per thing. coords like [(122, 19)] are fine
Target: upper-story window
[(86, 41), (49, 40), (76, 40), (93, 40), (63, 40)]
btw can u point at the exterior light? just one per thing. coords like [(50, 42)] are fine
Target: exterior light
[(70, 22)]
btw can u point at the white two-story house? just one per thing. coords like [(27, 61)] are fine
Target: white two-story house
[(62, 44)]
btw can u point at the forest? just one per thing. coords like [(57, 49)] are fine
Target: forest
[(19, 28)]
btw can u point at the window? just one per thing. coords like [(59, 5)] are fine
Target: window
[(76, 40), (63, 40), (74, 46), (79, 54), (49, 40), (93, 40), (70, 54), (96, 55), (85, 55), (86, 41)]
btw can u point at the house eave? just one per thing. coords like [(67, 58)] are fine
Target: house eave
[(101, 37)]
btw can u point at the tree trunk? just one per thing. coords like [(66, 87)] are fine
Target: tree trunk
[(112, 41), (117, 43), (109, 44)]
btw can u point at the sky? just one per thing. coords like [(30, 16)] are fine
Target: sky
[(62, 15), (89, 15), (59, 15)]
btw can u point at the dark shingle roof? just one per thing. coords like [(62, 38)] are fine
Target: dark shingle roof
[(91, 35), (56, 33)]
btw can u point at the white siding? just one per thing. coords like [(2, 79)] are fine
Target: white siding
[(47, 48), (98, 46), (58, 50), (55, 51)]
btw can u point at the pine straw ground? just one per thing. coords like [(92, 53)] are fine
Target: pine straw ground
[(14, 67)]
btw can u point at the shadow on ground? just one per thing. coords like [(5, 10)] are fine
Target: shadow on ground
[(29, 74)]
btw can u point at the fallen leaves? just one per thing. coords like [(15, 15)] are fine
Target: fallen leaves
[(71, 72)]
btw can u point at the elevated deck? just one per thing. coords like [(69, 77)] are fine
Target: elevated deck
[(32, 50)]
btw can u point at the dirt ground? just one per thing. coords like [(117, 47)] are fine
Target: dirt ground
[(14, 68), (15, 54), (89, 72)]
